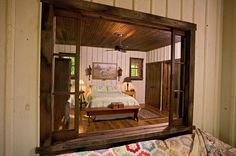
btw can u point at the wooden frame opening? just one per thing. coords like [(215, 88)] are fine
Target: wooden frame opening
[(56, 142)]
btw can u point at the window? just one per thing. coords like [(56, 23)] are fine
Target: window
[(72, 72), (136, 68)]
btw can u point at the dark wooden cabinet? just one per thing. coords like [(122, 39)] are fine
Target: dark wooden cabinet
[(166, 86), (153, 84)]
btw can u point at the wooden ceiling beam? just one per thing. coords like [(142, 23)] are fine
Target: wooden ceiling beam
[(124, 15)]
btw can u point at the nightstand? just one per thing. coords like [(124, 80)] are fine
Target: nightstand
[(130, 93)]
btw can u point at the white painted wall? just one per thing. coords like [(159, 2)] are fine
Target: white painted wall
[(88, 55), (19, 95), (21, 126), (163, 53), (228, 94)]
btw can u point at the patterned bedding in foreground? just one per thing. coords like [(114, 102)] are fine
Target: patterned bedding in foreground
[(198, 144)]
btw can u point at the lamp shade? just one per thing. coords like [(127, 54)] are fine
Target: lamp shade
[(127, 79), (81, 82)]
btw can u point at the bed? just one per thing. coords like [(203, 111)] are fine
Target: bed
[(99, 99)]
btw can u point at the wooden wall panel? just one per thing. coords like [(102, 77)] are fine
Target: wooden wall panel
[(142, 5), (199, 84), (174, 9), (2, 71), (124, 4), (163, 54), (187, 10), (210, 67), (159, 7)]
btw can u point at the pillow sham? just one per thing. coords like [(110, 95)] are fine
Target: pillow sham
[(98, 88), (112, 89)]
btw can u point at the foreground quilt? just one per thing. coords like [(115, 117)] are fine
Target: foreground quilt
[(198, 144)]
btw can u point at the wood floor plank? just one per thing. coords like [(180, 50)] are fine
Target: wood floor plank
[(98, 126)]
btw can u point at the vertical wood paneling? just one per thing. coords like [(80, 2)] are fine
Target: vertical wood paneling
[(2, 71), (124, 4), (187, 10), (218, 59), (210, 73), (174, 9), (228, 74), (159, 7), (199, 83), (142, 5)]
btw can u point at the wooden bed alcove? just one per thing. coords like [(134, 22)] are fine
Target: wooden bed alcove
[(75, 15)]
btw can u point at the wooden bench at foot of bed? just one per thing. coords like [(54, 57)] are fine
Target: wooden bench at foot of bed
[(106, 111)]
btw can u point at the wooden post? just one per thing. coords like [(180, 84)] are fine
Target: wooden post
[(172, 78), (46, 75)]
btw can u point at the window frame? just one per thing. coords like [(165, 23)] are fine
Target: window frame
[(140, 76), (86, 142)]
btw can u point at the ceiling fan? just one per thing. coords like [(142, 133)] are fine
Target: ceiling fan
[(120, 47)]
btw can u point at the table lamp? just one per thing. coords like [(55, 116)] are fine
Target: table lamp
[(81, 83), (127, 80)]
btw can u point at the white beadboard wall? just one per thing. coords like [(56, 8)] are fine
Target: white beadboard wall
[(163, 54), (88, 55), (207, 14)]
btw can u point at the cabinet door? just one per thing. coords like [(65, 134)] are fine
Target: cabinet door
[(166, 86), (153, 84)]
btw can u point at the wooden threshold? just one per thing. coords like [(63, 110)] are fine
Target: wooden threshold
[(112, 138)]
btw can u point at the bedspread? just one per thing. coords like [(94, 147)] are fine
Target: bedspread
[(198, 144), (103, 99)]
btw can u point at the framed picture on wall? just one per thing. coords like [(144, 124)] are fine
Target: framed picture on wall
[(104, 71)]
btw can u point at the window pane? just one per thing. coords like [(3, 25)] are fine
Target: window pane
[(72, 71), (134, 72), (73, 61), (136, 67)]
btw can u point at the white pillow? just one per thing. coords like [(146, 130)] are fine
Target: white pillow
[(112, 89), (98, 88)]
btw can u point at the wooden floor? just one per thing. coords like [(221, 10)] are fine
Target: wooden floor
[(96, 126)]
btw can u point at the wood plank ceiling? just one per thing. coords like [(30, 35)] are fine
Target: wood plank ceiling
[(98, 32)]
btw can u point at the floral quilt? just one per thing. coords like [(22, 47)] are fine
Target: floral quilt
[(198, 144)]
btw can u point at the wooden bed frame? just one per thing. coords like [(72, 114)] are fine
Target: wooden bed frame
[(106, 110)]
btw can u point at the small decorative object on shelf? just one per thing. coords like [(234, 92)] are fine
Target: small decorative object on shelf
[(88, 71), (119, 73)]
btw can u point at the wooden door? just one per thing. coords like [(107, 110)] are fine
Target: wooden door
[(61, 93), (153, 84), (166, 86)]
